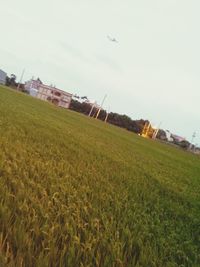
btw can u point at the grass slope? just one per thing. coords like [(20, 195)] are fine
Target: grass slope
[(78, 192)]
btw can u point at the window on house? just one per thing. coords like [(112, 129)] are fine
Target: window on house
[(57, 93)]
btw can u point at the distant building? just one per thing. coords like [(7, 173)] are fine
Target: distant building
[(169, 136), (2, 77), (48, 93), (177, 138), (33, 84)]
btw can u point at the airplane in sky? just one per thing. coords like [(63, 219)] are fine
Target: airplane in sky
[(112, 39)]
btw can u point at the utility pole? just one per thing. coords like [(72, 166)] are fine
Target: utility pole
[(100, 107), (148, 128), (193, 136), (156, 131), (107, 113), (144, 130), (22, 75), (92, 109)]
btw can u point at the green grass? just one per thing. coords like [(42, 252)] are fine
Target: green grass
[(75, 191)]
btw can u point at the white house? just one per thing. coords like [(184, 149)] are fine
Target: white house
[(2, 77), (48, 93), (169, 136), (177, 138)]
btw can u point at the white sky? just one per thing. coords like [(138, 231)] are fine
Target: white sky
[(152, 73)]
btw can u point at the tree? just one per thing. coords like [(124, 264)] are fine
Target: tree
[(184, 144), (161, 135), (11, 81)]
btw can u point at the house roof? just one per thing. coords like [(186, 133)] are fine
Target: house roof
[(178, 138)]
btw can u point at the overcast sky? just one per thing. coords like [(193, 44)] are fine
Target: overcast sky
[(152, 73)]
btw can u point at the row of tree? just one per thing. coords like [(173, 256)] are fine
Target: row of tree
[(114, 118), (124, 121), (11, 82)]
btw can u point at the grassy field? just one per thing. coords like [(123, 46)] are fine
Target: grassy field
[(75, 191)]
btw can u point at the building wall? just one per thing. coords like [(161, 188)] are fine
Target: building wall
[(33, 92), (2, 77), (58, 97), (32, 84), (43, 93), (48, 93)]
